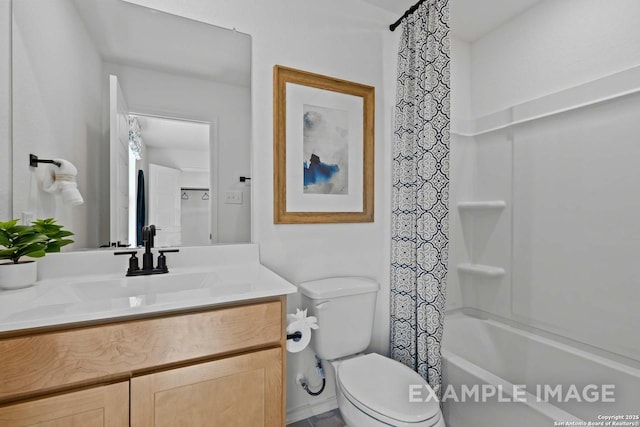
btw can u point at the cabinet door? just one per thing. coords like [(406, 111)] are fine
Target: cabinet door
[(105, 406), (244, 390)]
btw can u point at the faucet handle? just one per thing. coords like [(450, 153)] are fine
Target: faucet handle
[(133, 261), (162, 260)]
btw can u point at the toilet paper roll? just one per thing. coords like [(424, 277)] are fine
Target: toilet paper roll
[(302, 323), (294, 346)]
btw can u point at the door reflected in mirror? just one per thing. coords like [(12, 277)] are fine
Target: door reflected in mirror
[(150, 107), (174, 169)]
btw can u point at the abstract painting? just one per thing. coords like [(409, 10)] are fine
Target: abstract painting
[(323, 148), (326, 157)]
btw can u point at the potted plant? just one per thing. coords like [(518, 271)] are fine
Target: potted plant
[(33, 241)]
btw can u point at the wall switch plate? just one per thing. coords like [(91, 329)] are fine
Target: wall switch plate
[(233, 197)]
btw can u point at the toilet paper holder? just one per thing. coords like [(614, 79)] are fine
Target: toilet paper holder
[(296, 336)]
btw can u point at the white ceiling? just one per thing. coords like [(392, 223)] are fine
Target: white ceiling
[(470, 19), (159, 132)]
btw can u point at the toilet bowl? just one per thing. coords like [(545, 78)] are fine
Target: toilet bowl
[(372, 390)]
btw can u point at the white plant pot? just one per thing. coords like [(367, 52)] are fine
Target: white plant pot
[(20, 275)]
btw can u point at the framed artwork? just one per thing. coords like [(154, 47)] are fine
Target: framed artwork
[(323, 148)]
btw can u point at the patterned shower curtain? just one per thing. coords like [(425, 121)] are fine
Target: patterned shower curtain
[(420, 217)]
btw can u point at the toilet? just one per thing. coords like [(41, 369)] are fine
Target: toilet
[(372, 390)]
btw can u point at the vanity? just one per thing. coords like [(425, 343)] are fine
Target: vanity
[(201, 345)]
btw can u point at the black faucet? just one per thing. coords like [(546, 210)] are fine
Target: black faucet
[(148, 233)]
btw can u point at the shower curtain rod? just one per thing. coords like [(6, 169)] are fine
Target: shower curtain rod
[(412, 9)]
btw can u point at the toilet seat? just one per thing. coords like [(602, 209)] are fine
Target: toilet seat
[(380, 387)]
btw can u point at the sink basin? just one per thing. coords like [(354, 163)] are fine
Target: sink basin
[(127, 287), (64, 299)]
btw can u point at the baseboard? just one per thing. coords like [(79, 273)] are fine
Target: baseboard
[(309, 410)]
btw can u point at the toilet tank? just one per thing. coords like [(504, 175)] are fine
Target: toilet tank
[(344, 307)]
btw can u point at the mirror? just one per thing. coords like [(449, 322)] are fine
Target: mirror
[(152, 109)]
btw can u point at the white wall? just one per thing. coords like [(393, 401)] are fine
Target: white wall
[(552, 46), (195, 213), (576, 227), (56, 92), (194, 179), (460, 82), (567, 237), (5, 110)]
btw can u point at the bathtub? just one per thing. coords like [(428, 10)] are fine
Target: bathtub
[(510, 377)]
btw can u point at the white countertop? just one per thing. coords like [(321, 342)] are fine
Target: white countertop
[(76, 299)]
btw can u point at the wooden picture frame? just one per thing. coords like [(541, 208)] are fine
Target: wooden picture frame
[(314, 113)]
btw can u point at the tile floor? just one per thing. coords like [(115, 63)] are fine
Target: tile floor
[(326, 419)]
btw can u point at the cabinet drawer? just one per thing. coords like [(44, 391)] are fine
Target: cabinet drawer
[(44, 362)]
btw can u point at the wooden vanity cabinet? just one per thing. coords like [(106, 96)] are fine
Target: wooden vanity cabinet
[(219, 367)]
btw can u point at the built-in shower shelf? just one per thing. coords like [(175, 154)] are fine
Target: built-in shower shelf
[(482, 205), (481, 270)]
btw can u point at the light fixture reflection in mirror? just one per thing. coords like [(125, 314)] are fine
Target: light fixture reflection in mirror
[(173, 73)]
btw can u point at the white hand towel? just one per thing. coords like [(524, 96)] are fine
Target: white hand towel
[(62, 179)]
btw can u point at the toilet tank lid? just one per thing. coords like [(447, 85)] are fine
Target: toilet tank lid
[(338, 287)]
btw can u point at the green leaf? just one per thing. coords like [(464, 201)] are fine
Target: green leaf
[(59, 234), (35, 240), (4, 239), (47, 229), (48, 223), (37, 254), (55, 246), (21, 230), (30, 249), (8, 224), (44, 221), (29, 239), (7, 253)]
